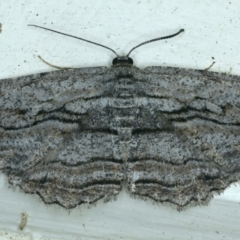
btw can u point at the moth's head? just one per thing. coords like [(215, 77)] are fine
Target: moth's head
[(122, 60)]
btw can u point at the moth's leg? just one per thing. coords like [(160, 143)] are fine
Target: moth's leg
[(54, 66)]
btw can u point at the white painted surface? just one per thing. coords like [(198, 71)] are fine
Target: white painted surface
[(211, 30)]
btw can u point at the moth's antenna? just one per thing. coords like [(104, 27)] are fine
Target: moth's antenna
[(155, 39), (32, 25)]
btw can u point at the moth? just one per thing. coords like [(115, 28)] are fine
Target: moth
[(79, 135)]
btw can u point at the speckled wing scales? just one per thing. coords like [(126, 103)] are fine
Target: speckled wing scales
[(55, 138), (190, 147), (75, 136)]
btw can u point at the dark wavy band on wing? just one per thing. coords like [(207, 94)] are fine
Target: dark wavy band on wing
[(187, 164), (180, 185), (62, 164), (70, 186)]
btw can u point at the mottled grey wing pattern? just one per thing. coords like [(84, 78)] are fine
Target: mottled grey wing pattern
[(190, 146), (55, 136), (75, 136)]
